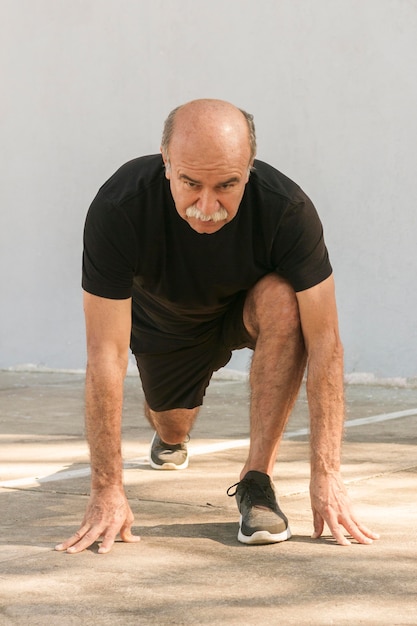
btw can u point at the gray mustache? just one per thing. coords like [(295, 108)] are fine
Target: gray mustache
[(218, 216)]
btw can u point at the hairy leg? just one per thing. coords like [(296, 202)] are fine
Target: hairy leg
[(172, 426), (272, 318)]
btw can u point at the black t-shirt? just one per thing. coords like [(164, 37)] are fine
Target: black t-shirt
[(181, 282)]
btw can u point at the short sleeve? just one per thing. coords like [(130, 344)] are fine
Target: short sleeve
[(300, 252), (109, 254)]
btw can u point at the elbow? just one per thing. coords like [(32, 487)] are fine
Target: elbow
[(102, 357), (327, 350)]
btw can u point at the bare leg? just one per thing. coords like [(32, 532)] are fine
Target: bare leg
[(172, 426), (271, 316)]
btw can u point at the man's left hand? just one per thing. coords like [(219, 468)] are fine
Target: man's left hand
[(331, 504)]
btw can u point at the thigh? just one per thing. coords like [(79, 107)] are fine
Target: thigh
[(234, 333), (270, 304), (179, 379)]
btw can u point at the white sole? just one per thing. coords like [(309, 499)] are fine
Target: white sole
[(168, 466), (263, 536)]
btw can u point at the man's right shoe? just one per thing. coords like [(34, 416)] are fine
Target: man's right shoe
[(165, 456), (261, 519)]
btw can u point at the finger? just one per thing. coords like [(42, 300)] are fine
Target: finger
[(336, 530), (318, 525), (316, 534), (106, 544), (367, 532), (338, 534), (109, 539), (126, 534), (359, 532), (60, 547), (341, 539), (90, 537), (128, 537), (72, 540)]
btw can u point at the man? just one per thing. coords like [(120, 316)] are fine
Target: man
[(186, 258)]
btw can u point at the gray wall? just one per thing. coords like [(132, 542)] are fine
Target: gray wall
[(86, 85)]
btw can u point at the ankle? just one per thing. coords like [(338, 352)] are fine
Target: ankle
[(173, 439), (252, 467)]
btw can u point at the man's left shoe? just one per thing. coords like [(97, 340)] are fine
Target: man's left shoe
[(165, 456), (261, 519)]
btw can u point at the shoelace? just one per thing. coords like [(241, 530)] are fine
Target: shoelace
[(172, 448), (231, 487), (256, 493)]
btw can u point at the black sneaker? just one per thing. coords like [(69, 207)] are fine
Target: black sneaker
[(164, 456), (261, 519)]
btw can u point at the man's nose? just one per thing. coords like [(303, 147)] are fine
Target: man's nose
[(207, 202)]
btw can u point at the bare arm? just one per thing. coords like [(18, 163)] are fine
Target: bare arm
[(329, 500), (325, 374), (108, 324)]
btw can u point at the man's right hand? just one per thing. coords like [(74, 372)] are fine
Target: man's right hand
[(108, 513)]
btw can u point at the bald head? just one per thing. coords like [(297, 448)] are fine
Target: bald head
[(208, 149), (213, 125)]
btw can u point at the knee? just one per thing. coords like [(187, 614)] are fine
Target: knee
[(272, 304)]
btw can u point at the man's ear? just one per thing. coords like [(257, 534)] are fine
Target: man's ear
[(250, 168), (167, 164)]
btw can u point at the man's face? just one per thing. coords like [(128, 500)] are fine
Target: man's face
[(207, 184)]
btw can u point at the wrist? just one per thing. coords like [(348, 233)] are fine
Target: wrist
[(101, 480), (321, 464), (98, 487)]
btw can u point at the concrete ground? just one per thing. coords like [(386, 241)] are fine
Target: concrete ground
[(189, 567)]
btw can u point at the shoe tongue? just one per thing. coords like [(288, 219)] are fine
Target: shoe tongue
[(259, 477)]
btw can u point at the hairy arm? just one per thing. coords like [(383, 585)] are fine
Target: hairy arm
[(329, 499), (108, 324)]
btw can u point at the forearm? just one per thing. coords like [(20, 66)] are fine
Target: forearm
[(104, 401), (326, 403)]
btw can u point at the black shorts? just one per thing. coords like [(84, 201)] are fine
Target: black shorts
[(178, 379)]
